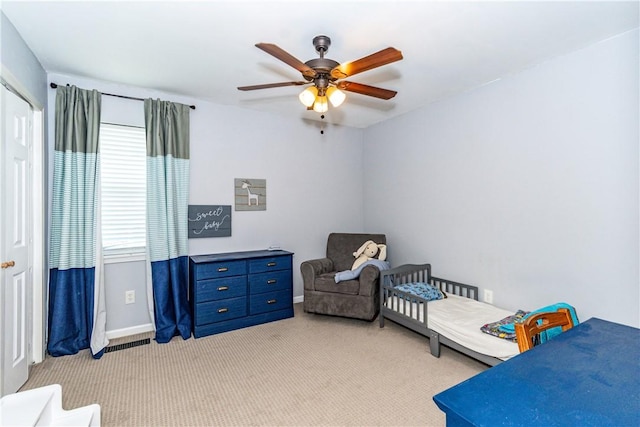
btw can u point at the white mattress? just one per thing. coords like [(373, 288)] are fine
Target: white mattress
[(460, 319)]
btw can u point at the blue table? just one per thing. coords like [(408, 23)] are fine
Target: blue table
[(586, 376)]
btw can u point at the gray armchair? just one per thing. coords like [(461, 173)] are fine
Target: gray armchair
[(358, 298)]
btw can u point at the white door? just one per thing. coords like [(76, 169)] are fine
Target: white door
[(15, 214)]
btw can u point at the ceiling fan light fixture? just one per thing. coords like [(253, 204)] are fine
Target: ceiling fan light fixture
[(336, 96), (321, 105), (308, 96)]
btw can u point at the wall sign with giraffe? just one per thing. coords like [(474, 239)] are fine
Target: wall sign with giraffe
[(250, 194)]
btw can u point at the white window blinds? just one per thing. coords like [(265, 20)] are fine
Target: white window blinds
[(123, 186)]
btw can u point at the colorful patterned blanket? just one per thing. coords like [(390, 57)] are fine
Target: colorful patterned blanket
[(495, 330)]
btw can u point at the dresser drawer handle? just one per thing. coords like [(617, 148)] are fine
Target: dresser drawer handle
[(272, 301), (272, 264), (223, 288), (223, 310), (271, 281), (223, 269)]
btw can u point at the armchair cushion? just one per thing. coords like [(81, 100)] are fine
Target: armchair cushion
[(327, 283)]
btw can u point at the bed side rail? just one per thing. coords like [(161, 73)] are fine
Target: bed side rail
[(407, 309), (407, 273), (455, 288), (399, 306)]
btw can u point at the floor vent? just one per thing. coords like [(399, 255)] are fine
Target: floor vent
[(127, 345)]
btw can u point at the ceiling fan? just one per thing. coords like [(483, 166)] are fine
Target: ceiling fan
[(325, 74)]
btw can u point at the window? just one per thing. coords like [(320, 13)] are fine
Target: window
[(123, 182)]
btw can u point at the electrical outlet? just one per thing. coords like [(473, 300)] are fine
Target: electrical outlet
[(130, 297), (488, 296)]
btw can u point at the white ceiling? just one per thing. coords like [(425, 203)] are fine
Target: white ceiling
[(205, 49)]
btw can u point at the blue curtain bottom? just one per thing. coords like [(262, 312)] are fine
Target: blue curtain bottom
[(70, 310), (170, 280)]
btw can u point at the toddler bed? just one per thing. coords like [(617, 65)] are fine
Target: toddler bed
[(454, 321)]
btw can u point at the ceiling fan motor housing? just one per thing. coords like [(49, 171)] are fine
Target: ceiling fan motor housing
[(323, 67)]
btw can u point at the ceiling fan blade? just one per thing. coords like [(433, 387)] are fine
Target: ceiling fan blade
[(378, 59), (270, 85), (366, 90), (287, 58)]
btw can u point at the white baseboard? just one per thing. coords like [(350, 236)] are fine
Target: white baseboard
[(141, 329), (125, 332)]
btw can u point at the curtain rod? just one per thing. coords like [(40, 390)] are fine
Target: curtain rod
[(55, 85)]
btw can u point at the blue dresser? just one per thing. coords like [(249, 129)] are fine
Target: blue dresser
[(238, 289)]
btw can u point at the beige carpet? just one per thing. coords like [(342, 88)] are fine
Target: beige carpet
[(304, 371)]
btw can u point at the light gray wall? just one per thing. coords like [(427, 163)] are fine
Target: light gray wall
[(528, 186), (17, 58), (314, 183)]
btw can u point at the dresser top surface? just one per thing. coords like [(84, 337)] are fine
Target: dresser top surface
[(197, 259)]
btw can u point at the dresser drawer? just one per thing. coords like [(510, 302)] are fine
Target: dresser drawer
[(219, 269), (261, 265), (271, 301), (215, 289), (271, 281), (218, 311)]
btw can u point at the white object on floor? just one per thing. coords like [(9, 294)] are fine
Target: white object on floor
[(43, 407)]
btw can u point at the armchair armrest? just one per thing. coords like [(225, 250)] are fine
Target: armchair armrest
[(313, 268), (369, 280)]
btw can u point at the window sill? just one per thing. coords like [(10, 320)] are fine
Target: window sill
[(120, 258)]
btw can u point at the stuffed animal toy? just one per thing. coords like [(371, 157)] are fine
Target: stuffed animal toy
[(368, 251)]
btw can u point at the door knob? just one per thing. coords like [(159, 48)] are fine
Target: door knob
[(8, 264)]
